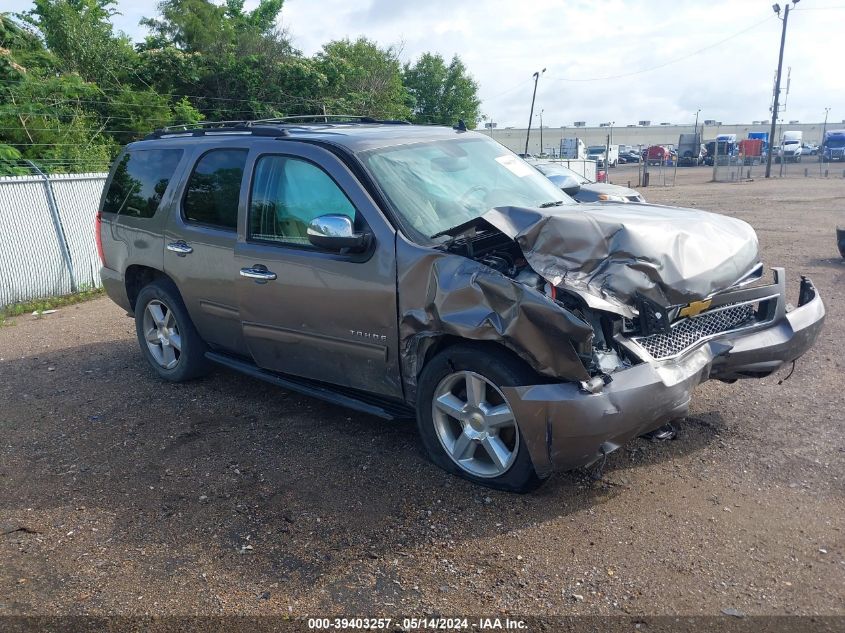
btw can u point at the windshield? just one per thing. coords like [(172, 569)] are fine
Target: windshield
[(836, 141), (790, 142), (552, 169), (437, 185), (595, 149)]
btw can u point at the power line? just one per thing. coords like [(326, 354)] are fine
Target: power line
[(178, 96), (668, 63), (519, 85)]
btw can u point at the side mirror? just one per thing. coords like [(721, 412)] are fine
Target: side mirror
[(335, 232), (569, 185)]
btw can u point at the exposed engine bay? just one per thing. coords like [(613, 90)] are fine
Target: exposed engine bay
[(492, 248)]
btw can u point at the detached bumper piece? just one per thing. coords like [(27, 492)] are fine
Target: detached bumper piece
[(753, 335)]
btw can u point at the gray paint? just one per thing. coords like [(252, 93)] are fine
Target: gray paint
[(617, 250), (446, 294), (367, 321)]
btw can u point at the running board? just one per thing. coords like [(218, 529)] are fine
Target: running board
[(345, 397)]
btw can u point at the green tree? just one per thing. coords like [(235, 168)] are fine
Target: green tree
[(363, 78), (235, 64), (10, 161), (442, 93), (20, 49), (80, 35)]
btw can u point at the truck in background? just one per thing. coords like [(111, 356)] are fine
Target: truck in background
[(690, 152), (833, 146), (573, 148), (790, 147), (763, 136), (724, 146), (751, 151), (597, 153), (658, 155)]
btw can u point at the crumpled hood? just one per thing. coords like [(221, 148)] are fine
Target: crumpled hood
[(615, 251)]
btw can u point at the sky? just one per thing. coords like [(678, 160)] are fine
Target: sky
[(618, 61)]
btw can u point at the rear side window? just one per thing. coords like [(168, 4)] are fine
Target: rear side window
[(140, 180), (214, 188)]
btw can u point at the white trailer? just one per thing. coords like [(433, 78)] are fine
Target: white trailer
[(586, 168), (572, 148)]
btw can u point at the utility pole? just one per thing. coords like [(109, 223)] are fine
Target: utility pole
[(531, 114), (776, 8)]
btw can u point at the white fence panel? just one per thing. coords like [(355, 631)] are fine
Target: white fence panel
[(47, 242), (77, 197)]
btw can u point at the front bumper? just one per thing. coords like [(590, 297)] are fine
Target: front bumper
[(565, 427)]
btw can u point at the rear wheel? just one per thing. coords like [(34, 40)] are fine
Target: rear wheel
[(166, 334), (466, 423)]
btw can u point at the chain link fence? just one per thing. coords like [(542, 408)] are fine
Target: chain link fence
[(47, 245), (736, 167)]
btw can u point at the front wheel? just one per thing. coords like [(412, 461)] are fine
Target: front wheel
[(466, 423)]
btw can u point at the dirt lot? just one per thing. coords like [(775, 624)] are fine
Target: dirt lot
[(123, 494)]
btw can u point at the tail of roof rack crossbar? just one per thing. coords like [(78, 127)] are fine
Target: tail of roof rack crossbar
[(264, 127)]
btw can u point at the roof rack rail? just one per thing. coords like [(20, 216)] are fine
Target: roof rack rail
[(229, 128), (264, 127), (329, 118)]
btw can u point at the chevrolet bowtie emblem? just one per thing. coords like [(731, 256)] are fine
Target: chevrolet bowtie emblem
[(695, 308)]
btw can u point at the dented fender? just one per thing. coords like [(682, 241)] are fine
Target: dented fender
[(445, 294)]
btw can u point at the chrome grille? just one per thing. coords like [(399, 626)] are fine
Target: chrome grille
[(689, 331)]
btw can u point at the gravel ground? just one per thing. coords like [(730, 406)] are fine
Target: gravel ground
[(125, 495)]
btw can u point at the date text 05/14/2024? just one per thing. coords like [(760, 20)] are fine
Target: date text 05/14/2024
[(413, 624)]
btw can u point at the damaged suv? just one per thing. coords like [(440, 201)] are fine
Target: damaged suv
[(419, 271)]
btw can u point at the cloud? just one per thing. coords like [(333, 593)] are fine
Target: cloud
[(503, 42)]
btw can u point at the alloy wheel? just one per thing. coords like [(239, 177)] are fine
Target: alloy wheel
[(475, 424), (161, 333)]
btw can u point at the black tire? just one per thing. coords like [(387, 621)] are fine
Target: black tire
[(191, 362), (501, 369)]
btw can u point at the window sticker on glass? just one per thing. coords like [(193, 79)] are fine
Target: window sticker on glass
[(514, 165)]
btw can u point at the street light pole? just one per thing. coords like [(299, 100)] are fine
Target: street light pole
[(541, 129), (824, 128), (531, 115), (776, 8)]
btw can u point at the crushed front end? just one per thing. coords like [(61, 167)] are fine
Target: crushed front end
[(646, 366), (621, 311)]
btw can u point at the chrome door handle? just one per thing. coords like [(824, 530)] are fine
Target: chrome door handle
[(180, 248), (261, 274)]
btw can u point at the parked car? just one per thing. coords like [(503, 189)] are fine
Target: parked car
[(630, 156), (421, 271), (582, 189)]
